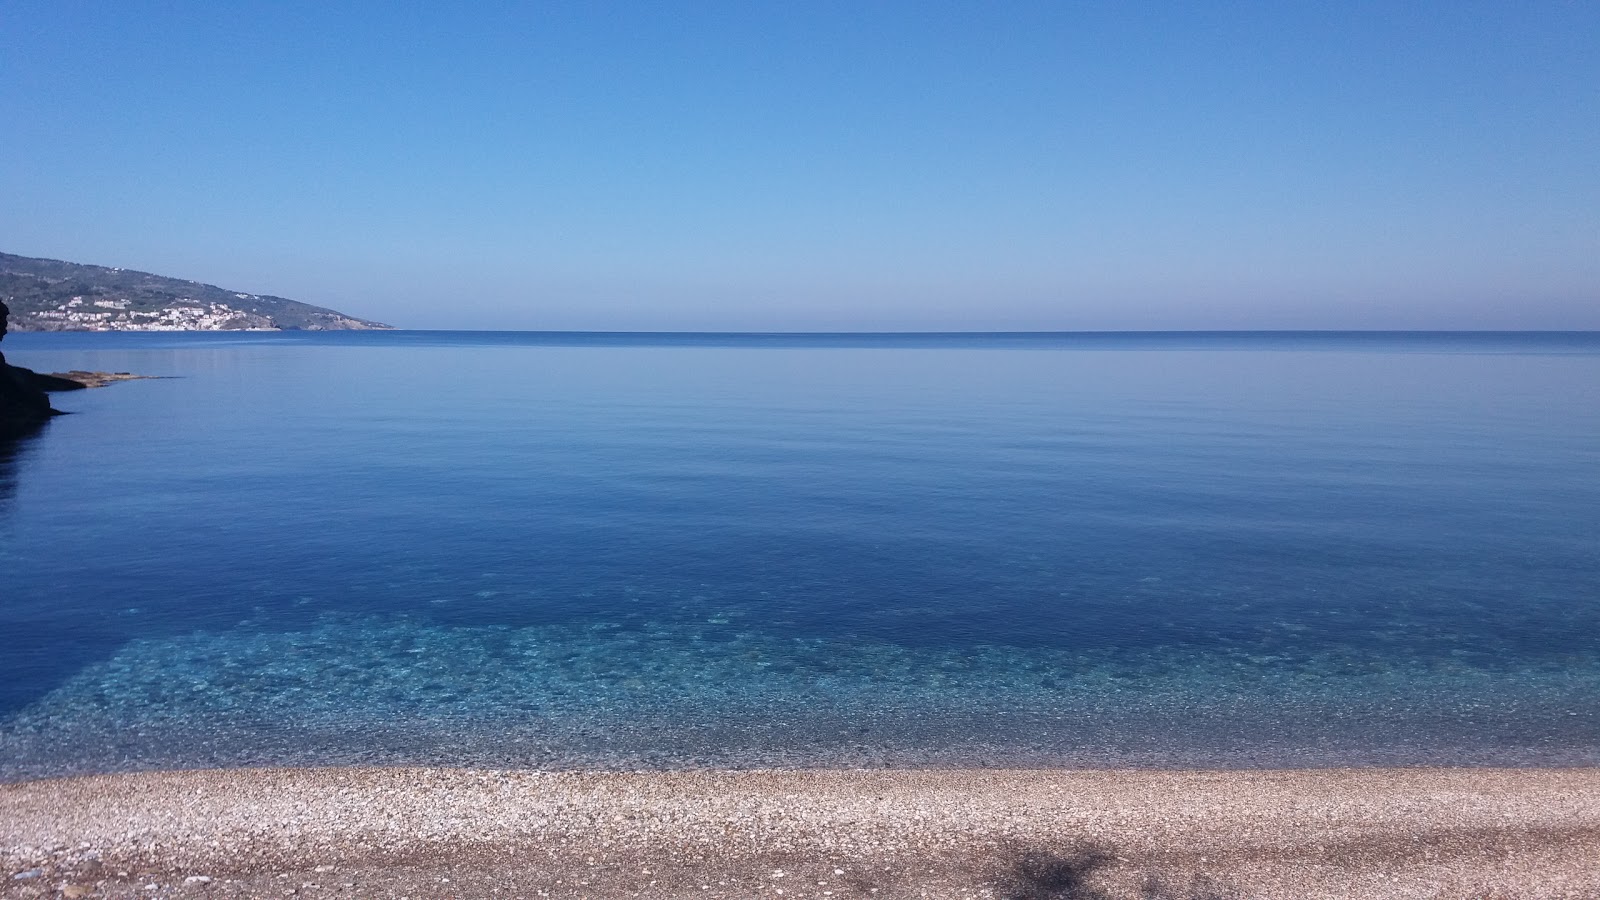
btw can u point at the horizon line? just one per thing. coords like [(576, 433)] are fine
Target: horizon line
[(814, 333)]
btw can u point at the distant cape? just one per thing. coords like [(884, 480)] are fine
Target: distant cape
[(51, 295)]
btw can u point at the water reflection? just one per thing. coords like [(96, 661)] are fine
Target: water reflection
[(11, 451)]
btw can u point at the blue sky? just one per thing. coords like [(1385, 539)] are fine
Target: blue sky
[(819, 166)]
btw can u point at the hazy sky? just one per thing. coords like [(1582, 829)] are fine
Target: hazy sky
[(812, 166)]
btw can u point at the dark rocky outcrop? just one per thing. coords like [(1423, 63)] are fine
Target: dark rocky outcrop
[(23, 406), (51, 383), (78, 379)]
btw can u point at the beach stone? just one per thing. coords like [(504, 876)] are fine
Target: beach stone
[(74, 892), (27, 875), (846, 833)]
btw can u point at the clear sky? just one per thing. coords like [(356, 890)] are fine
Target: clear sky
[(823, 166)]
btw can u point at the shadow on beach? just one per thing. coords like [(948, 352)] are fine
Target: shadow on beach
[(1073, 873)]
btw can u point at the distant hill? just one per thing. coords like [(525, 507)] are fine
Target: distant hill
[(50, 295)]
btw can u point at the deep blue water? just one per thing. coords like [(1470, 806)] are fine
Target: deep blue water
[(563, 550)]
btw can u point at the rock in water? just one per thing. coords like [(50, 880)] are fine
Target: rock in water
[(23, 407)]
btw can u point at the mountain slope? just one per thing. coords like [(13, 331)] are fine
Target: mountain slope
[(51, 295)]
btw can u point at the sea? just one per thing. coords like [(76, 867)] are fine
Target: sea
[(666, 551)]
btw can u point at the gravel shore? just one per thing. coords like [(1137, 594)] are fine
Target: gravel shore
[(1327, 833)]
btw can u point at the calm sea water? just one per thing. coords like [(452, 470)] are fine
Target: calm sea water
[(563, 550)]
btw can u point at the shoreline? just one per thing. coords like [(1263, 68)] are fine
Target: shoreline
[(834, 833)]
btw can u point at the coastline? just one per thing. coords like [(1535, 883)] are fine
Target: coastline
[(428, 832)]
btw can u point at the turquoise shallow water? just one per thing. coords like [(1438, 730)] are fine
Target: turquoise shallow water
[(638, 550)]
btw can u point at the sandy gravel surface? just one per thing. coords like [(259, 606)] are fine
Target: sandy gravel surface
[(1482, 833)]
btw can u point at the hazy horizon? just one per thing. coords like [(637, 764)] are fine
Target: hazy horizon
[(899, 167)]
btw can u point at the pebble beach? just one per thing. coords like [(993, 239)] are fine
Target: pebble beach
[(1152, 834)]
